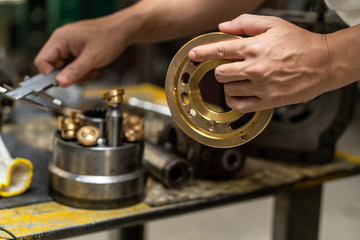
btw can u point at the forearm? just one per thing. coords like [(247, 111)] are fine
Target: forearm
[(344, 50), (158, 20)]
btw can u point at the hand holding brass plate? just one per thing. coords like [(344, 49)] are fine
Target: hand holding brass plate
[(191, 113)]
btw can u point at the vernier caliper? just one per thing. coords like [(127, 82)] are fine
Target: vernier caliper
[(36, 86)]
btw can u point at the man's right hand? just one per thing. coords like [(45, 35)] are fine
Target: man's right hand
[(81, 48)]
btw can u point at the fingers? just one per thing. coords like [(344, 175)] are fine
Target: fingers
[(249, 24), (246, 104), (230, 50), (79, 69), (230, 72)]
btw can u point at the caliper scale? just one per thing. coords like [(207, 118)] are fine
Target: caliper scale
[(190, 112)]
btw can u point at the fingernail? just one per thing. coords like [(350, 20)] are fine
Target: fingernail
[(224, 24), (192, 55), (63, 79)]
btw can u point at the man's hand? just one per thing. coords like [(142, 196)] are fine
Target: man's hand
[(82, 47), (279, 64)]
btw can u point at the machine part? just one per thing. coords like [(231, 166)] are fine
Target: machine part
[(93, 172), (88, 136), (306, 132), (96, 118), (114, 97), (214, 162), (206, 161), (114, 117), (97, 177), (133, 128), (68, 129), (168, 168), (190, 112)]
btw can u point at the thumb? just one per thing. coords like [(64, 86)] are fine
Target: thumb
[(75, 71), (248, 24)]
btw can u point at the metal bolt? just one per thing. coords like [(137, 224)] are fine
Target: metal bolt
[(68, 129), (114, 97), (133, 128), (88, 135)]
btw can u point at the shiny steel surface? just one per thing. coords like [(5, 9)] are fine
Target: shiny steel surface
[(114, 126), (191, 113), (98, 177), (99, 160)]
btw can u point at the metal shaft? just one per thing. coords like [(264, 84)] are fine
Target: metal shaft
[(114, 121)]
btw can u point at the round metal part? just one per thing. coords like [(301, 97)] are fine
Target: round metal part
[(114, 97), (133, 128), (192, 114), (97, 177), (96, 118), (88, 135)]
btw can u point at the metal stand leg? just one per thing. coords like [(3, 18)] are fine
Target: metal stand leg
[(136, 232), (297, 214)]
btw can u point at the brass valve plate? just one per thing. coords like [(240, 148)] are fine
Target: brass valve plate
[(192, 114)]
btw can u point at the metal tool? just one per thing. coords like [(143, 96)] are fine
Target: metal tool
[(35, 86), (190, 112), (96, 170)]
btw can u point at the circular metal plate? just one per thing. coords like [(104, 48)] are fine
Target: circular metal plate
[(192, 114)]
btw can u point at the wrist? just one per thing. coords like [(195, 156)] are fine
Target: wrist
[(343, 49)]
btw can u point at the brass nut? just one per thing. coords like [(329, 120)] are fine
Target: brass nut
[(133, 128), (64, 121), (114, 97), (88, 135), (68, 130), (75, 115)]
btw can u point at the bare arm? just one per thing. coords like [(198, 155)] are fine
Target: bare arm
[(92, 44), (344, 61)]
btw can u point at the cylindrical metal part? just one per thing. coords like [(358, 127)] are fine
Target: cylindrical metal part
[(114, 122), (168, 168), (97, 177)]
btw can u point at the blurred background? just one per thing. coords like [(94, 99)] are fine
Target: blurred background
[(25, 25)]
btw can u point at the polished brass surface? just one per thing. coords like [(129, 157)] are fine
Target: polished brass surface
[(68, 129), (88, 135), (114, 97), (191, 113), (133, 128)]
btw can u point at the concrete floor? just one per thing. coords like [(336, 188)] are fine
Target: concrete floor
[(251, 220)]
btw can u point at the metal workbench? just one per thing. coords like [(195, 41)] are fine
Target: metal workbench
[(297, 190)]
